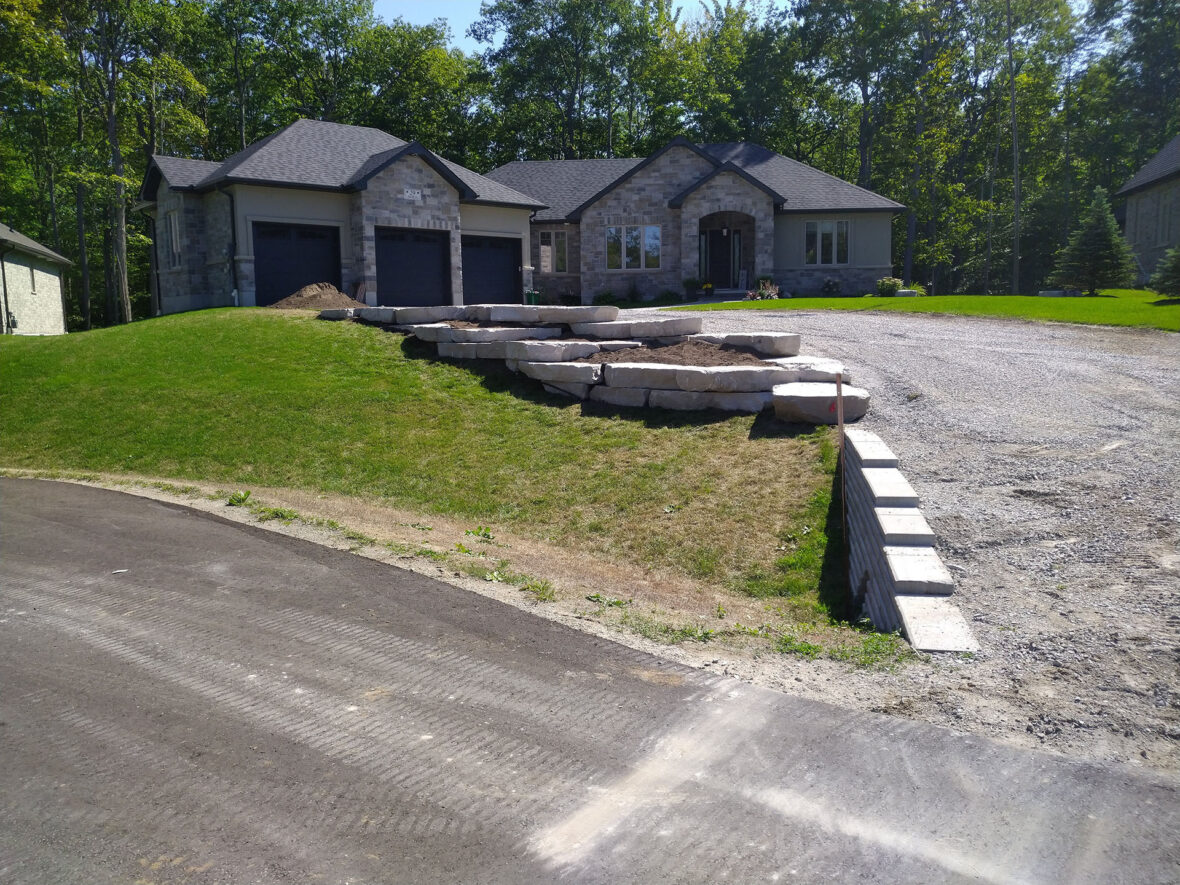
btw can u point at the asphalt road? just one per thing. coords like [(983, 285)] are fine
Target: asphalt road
[(183, 699)]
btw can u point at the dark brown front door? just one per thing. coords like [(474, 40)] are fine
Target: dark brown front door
[(720, 259)]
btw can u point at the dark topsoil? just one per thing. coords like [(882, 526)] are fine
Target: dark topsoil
[(687, 353), (316, 296)]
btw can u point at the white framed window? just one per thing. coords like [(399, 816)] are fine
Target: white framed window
[(172, 239), (633, 247), (553, 251), (825, 242)]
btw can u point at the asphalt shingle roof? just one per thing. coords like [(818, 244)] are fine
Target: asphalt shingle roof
[(16, 239), (567, 184), (316, 154), (1163, 165), (563, 185)]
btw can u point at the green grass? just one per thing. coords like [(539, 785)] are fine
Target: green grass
[(260, 398), (1112, 307)]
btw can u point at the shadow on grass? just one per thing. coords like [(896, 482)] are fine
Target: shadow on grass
[(834, 590), (1165, 302)]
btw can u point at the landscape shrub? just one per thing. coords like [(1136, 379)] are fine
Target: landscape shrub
[(1096, 255), (1166, 279), (607, 297), (888, 286), (691, 285), (830, 288)]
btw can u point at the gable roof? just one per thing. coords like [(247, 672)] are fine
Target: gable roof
[(569, 186), (562, 185), (15, 240), (1163, 165), (323, 156), (677, 201)]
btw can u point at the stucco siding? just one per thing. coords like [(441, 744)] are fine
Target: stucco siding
[(32, 295), (869, 257), (1153, 224)]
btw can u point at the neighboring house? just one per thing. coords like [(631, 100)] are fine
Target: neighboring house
[(382, 219), (1153, 208), (30, 286), (726, 214)]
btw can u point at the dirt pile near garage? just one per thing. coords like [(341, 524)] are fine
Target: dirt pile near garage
[(686, 353), (316, 296)]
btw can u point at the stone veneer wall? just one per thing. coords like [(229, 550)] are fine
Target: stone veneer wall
[(182, 287), (383, 204), (641, 200), (1153, 224), (218, 276), (728, 192), (810, 280), (555, 287)]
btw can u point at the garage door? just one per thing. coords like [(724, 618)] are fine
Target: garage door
[(491, 270), (288, 257), (413, 267)]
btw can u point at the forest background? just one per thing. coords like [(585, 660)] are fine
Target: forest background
[(991, 120)]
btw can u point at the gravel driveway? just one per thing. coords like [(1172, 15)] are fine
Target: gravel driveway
[(1045, 456)]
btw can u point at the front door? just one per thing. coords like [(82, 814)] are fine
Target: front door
[(720, 271)]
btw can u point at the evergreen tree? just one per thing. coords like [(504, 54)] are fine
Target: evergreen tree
[(1096, 254), (1166, 280)]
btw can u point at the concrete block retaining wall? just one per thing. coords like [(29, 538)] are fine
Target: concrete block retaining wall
[(893, 568)]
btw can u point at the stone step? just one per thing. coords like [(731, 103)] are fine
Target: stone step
[(504, 333), (814, 402), (410, 316), (779, 344), (337, 313), (933, 623), (562, 373), (573, 389), (692, 400), (551, 351), (659, 327), (813, 368), (718, 379), (432, 332), (629, 397), (473, 350)]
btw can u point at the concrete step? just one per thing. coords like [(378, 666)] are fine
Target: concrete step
[(814, 402)]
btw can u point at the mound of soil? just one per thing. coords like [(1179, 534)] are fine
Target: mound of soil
[(687, 353), (316, 296)]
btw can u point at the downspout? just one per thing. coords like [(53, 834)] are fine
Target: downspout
[(5, 320), (233, 239)]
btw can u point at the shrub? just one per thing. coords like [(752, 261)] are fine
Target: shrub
[(607, 297), (1096, 254), (768, 280), (888, 286), (691, 285), (918, 289), (766, 291), (1166, 279), (830, 288)]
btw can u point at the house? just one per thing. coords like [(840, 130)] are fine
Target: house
[(382, 219), (30, 286), (726, 214), (1153, 208)]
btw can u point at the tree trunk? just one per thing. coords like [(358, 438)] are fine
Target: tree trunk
[(118, 212), (1015, 160), (80, 219), (865, 140)]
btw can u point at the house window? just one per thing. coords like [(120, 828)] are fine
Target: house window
[(172, 239), (633, 247), (553, 251), (826, 242)]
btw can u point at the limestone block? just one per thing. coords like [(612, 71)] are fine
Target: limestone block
[(650, 375), (918, 570), (409, 316), (887, 487), (578, 391), (512, 365), (692, 400), (503, 333), (602, 313), (654, 328), (514, 313), (934, 623), (376, 314), (434, 332), (903, 527), (563, 373), (337, 313), (868, 449), (815, 402), (478, 313), (730, 379), (813, 368), (472, 350), (778, 344), (630, 397), (611, 346), (671, 339), (551, 351), (906, 293)]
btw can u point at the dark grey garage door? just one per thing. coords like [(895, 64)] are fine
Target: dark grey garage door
[(288, 257), (413, 267), (491, 270)]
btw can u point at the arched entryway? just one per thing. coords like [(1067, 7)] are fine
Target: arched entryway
[(726, 250)]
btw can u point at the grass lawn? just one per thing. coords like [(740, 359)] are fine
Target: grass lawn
[(1112, 307), (268, 398)]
